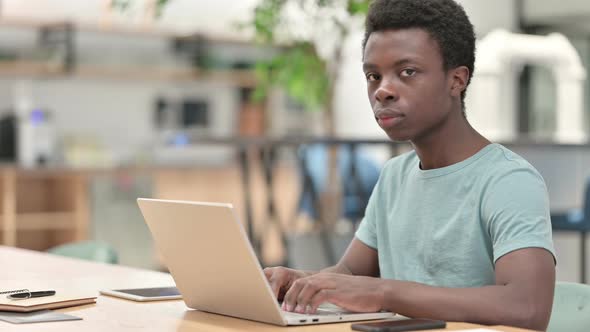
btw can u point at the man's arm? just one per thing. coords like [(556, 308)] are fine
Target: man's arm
[(358, 260), (522, 295)]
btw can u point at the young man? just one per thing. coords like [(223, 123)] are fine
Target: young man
[(457, 229)]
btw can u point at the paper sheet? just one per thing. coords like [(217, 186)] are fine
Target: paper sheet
[(35, 317)]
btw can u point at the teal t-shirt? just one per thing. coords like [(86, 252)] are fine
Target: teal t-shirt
[(448, 226)]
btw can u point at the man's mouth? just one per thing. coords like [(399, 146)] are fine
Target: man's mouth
[(387, 119), (387, 122)]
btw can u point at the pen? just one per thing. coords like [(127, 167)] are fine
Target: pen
[(28, 295)]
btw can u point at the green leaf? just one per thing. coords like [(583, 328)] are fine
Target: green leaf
[(299, 71), (356, 7), (160, 4), (266, 18)]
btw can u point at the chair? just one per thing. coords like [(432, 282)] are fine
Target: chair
[(571, 308), (577, 221), (88, 250), (358, 173)]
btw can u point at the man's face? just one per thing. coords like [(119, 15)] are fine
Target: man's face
[(408, 88)]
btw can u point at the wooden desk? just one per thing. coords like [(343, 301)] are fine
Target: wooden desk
[(112, 314)]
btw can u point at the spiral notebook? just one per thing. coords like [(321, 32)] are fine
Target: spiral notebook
[(61, 299)]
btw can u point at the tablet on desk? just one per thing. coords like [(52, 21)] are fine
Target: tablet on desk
[(145, 294)]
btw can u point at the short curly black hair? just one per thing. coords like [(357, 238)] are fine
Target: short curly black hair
[(445, 21)]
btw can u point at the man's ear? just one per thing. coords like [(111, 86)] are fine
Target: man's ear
[(458, 78)]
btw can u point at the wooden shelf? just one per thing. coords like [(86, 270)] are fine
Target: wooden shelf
[(242, 78), (65, 31), (28, 23), (119, 29), (246, 78), (29, 68)]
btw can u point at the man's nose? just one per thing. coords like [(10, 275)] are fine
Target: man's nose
[(386, 93)]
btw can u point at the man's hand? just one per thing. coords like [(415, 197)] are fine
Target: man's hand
[(359, 259), (353, 293), (282, 278)]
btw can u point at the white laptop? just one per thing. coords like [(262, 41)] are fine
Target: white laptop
[(215, 268)]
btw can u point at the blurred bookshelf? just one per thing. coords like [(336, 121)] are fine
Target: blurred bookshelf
[(59, 49), (42, 209)]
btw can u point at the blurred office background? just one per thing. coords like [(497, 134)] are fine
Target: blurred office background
[(104, 101)]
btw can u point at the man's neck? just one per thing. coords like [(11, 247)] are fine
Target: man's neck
[(449, 144)]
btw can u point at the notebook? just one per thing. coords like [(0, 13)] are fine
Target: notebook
[(215, 267), (61, 299)]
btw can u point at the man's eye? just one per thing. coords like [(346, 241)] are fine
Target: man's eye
[(372, 77), (408, 72)]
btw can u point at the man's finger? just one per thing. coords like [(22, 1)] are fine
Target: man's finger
[(290, 299), (275, 287), (268, 271), (271, 276), (304, 297), (324, 295)]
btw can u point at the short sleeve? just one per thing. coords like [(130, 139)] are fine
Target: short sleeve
[(516, 209), (367, 230)]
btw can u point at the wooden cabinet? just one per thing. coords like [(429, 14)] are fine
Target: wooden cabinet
[(42, 208)]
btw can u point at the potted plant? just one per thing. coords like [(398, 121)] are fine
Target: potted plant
[(310, 35)]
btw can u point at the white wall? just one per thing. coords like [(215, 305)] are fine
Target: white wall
[(354, 117), (551, 9), (489, 15)]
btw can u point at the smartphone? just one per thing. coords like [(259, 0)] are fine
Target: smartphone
[(400, 325), (145, 294)]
